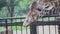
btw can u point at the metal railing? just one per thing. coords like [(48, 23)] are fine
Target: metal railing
[(18, 21)]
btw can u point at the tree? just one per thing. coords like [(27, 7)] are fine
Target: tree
[(11, 8)]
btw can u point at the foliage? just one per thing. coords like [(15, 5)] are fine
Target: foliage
[(3, 12), (22, 7), (19, 7)]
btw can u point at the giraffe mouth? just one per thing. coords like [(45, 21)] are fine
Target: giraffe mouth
[(26, 24)]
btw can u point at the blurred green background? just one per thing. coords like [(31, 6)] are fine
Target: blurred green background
[(14, 8), (9, 8)]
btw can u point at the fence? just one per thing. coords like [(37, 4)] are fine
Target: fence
[(13, 25)]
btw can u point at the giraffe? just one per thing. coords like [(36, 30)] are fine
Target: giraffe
[(40, 8)]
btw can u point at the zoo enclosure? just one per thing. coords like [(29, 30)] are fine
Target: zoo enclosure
[(12, 21)]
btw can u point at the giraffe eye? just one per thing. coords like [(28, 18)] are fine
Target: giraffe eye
[(39, 9)]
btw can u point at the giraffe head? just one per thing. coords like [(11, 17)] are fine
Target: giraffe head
[(37, 9)]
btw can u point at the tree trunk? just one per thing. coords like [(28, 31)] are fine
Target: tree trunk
[(10, 7)]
